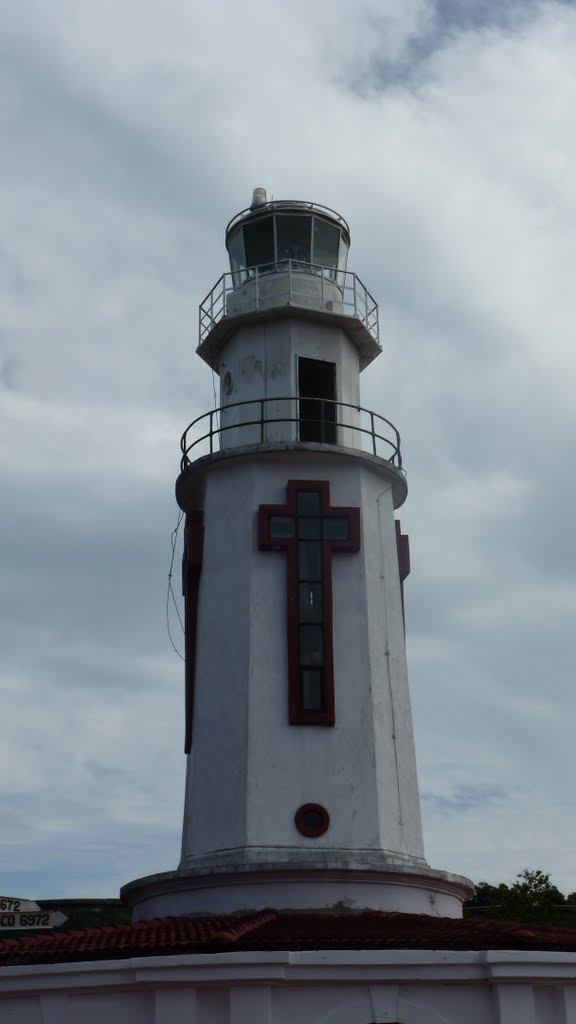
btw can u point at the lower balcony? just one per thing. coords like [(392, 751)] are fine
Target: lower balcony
[(278, 420)]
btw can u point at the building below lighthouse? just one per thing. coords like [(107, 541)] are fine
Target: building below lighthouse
[(302, 890)]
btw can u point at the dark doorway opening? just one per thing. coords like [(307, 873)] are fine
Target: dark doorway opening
[(317, 394)]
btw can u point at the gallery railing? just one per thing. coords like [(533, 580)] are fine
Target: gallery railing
[(315, 420), (288, 283)]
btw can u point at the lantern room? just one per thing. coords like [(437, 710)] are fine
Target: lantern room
[(269, 234)]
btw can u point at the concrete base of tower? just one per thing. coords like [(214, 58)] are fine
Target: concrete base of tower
[(329, 881)]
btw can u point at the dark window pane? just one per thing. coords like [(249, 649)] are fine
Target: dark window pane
[(317, 420), (312, 819), (336, 529), (308, 503), (311, 645), (293, 237), (309, 529), (310, 602), (310, 560), (312, 689), (317, 409), (281, 527), (326, 240), (259, 242)]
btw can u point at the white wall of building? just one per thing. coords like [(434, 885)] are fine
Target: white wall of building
[(320, 987)]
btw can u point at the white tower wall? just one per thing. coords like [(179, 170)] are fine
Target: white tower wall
[(261, 362), (250, 769)]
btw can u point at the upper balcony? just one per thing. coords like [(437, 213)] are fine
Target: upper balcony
[(284, 288)]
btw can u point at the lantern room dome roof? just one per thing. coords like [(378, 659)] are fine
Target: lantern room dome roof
[(291, 206)]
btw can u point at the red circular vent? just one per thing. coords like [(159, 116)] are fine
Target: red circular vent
[(312, 820)]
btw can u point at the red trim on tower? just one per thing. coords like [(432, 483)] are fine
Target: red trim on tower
[(297, 714), (403, 549), (192, 567)]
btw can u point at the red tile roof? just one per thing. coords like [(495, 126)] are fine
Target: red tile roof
[(373, 930), (144, 938), (270, 930)]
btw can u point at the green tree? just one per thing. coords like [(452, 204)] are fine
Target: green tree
[(492, 897), (533, 897)]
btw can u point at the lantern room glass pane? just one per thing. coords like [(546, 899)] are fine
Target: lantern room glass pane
[(342, 262), (259, 242), (326, 242), (236, 254), (293, 238)]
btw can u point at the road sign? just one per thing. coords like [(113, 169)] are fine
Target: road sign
[(30, 919), (15, 904)]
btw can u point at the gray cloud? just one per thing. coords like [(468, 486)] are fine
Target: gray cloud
[(436, 26)]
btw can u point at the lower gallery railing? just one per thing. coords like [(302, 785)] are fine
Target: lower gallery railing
[(285, 418)]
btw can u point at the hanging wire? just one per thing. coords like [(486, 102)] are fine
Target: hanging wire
[(387, 654), (170, 589), (215, 399)]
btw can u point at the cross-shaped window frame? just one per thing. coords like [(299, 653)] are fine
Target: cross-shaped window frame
[(296, 559)]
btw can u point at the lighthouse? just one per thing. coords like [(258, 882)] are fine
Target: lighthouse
[(301, 783)]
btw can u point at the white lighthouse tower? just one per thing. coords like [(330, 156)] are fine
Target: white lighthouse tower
[(301, 788)]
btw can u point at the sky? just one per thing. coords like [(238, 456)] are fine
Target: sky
[(443, 130)]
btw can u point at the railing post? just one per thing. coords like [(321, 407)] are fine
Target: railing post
[(373, 433), (262, 400), (321, 287), (354, 290), (289, 282), (257, 289)]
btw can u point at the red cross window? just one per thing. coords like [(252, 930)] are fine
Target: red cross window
[(310, 531)]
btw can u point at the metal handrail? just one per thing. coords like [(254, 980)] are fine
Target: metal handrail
[(213, 435), (248, 286)]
